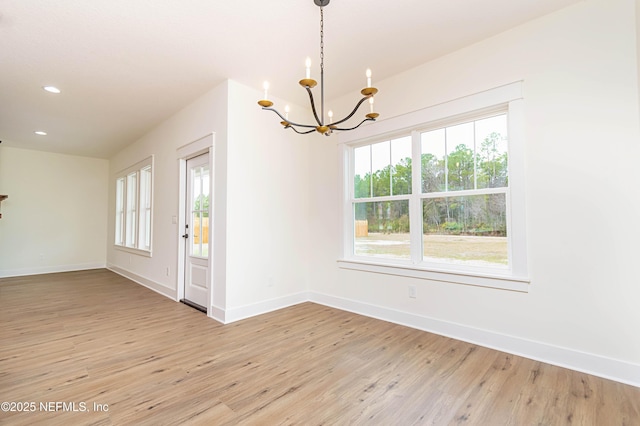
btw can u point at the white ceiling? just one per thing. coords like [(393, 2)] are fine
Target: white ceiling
[(125, 65)]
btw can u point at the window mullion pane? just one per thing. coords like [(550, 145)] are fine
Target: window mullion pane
[(371, 170), (385, 198), (463, 193), (148, 214), (446, 161), (120, 193), (415, 202), (136, 242), (475, 158), (132, 209), (141, 209), (391, 167), (382, 229)]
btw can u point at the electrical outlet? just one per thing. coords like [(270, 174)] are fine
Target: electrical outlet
[(413, 292), (168, 271)]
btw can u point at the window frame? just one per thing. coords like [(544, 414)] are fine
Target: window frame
[(504, 99), (134, 208)]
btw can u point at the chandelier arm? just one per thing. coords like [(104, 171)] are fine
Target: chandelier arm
[(291, 123), (352, 128), (352, 112), (313, 105), (299, 132)]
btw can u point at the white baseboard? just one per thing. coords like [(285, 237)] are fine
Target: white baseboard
[(225, 316), (6, 273), (247, 311), (171, 293), (608, 368), (217, 314)]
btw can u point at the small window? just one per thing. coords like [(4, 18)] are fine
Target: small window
[(119, 211), (144, 236), (133, 206), (132, 202)]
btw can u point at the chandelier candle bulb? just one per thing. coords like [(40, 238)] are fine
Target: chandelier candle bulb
[(265, 103), (368, 77), (308, 66), (371, 104), (286, 112), (330, 114)]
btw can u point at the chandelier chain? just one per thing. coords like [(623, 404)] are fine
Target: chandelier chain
[(321, 66), (321, 39)]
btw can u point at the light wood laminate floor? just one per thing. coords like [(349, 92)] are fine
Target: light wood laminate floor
[(74, 340)]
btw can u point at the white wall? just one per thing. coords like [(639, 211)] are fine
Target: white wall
[(260, 204), (268, 203), (55, 217), (205, 115), (579, 68), (638, 42)]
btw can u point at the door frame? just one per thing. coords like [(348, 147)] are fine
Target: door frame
[(204, 145)]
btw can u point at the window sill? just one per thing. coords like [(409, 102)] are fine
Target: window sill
[(503, 282), (132, 250)]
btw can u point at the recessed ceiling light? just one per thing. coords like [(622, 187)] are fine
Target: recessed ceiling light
[(51, 89), (41, 133)]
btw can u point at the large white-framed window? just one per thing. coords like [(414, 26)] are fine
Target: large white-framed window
[(439, 193), (133, 218)]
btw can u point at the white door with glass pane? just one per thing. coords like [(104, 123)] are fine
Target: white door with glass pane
[(196, 236)]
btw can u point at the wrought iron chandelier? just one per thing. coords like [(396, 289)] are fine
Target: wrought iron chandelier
[(328, 127)]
